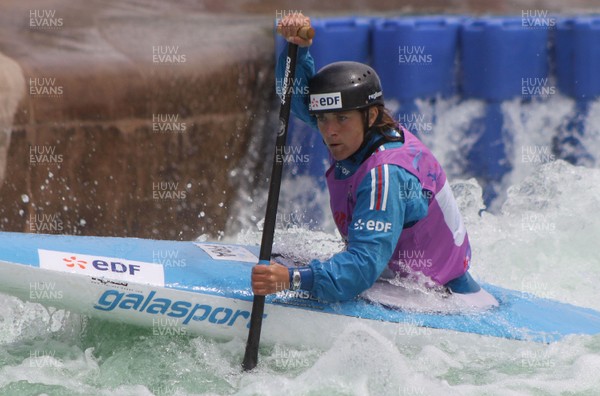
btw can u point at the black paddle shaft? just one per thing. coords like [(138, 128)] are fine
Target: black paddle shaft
[(258, 305)]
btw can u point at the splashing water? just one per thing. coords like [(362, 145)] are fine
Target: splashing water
[(541, 242)]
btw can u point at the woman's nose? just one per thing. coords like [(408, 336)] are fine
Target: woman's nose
[(330, 129)]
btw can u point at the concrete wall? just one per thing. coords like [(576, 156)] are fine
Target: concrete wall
[(124, 120)]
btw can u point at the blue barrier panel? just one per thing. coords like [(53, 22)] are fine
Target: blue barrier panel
[(587, 57), (415, 56), (563, 55), (500, 56), (577, 51), (337, 39), (487, 159), (577, 54), (341, 39), (502, 59)]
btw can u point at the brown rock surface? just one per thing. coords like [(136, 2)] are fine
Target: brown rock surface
[(85, 155)]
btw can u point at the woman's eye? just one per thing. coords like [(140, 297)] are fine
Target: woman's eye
[(342, 118)]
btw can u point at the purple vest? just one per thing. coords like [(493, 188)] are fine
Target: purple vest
[(437, 245)]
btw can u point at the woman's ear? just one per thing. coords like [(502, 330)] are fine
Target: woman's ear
[(373, 112)]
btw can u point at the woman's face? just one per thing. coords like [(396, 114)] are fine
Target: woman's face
[(342, 131)]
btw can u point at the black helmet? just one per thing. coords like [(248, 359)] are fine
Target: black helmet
[(343, 86)]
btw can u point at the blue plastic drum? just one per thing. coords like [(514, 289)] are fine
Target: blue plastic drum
[(502, 58), (577, 56), (577, 53), (337, 39), (415, 57)]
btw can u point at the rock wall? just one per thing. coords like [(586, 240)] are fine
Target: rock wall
[(129, 121)]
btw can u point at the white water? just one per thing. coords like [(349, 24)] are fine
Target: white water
[(532, 126), (552, 254), (542, 240)]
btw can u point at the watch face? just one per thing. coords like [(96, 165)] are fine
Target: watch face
[(296, 280)]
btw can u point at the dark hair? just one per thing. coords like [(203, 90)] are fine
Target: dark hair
[(385, 122)]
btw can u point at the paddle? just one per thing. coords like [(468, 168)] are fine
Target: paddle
[(258, 305)]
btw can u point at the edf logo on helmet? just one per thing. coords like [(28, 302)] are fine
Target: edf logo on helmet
[(326, 101)]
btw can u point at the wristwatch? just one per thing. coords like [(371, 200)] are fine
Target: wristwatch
[(295, 279)]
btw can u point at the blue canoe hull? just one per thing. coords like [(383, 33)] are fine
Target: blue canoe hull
[(205, 287)]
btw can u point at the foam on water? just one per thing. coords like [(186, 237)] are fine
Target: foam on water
[(543, 240)]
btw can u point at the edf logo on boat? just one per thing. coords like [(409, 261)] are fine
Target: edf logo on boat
[(372, 225), (103, 267), (326, 101)]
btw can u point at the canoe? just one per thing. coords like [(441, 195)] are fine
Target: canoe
[(203, 288)]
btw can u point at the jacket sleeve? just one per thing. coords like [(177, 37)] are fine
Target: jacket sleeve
[(379, 216), (305, 69)]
